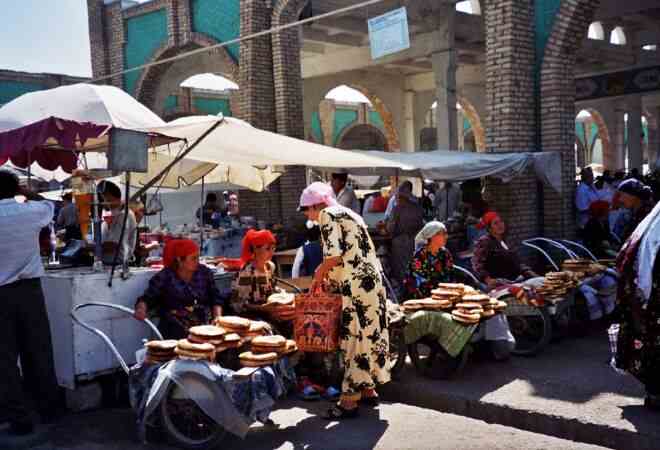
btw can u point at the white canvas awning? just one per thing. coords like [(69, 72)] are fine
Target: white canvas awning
[(234, 142)]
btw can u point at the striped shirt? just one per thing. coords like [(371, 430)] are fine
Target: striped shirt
[(20, 224)]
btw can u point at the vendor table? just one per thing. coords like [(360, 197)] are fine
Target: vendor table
[(78, 354)]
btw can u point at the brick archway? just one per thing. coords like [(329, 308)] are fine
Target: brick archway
[(362, 132), (557, 109), (609, 153), (156, 82)]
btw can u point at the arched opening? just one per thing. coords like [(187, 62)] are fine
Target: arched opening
[(592, 140), (202, 94), (471, 133), (596, 31), (160, 87), (618, 36), (343, 109)]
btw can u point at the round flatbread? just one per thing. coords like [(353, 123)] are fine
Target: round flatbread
[(470, 306), (465, 317), (487, 314), (198, 340), (250, 359), (500, 306), (195, 355), (445, 293), (208, 331), (269, 341), (477, 298), (166, 346), (185, 344), (459, 287), (233, 323)]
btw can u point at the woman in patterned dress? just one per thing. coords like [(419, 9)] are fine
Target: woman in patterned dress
[(432, 263), (350, 267), (638, 346)]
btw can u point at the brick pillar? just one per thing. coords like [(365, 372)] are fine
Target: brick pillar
[(510, 105), (287, 74), (115, 40), (257, 99), (179, 23), (558, 109), (327, 110), (97, 41)]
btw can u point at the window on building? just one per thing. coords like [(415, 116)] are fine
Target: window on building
[(596, 31), (650, 47), (618, 37), (347, 94)]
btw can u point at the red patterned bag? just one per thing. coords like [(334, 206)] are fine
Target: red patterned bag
[(316, 326)]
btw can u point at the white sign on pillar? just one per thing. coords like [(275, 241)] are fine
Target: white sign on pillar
[(389, 33)]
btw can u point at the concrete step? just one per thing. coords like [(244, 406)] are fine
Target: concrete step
[(568, 391)]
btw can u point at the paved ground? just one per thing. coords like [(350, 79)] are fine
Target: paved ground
[(390, 426), (567, 391)]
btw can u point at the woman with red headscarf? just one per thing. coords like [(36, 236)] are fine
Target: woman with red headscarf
[(493, 259), (183, 294), (255, 282)]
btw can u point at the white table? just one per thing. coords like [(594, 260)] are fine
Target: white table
[(78, 354)]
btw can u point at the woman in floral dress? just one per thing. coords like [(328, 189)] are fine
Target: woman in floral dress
[(432, 263), (350, 267)]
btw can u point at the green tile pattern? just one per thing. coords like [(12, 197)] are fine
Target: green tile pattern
[(144, 35), (219, 19)]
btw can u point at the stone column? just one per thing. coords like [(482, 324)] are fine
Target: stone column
[(510, 104), (97, 41), (327, 110), (444, 69), (635, 154), (654, 140), (409, 122), (618, 133)]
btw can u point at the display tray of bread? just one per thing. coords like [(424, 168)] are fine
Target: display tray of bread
[(466, 304)]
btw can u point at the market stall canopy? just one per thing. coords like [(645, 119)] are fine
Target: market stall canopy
[(446, 165), (234, 142), (49, 126), (188, 172)]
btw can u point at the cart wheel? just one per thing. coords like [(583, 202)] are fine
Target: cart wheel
[(433, 361), (398, 351), (186, 424), (530, 325)]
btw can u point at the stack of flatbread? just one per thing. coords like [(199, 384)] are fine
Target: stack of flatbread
[(257, 328), (426, 304), (268, 344), (584, 266), (159, 352), (556, 285), (234, 324), (468, 313), (190, 350), (251, 359)]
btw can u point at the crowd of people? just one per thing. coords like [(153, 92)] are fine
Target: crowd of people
[(340, 256)]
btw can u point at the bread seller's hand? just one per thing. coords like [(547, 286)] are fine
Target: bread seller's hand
[(318, 281), (140, 311)]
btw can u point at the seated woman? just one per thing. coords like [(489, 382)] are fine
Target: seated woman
[(183, 294), (256, 282), (492, 258), (597, 236), (432, 263)]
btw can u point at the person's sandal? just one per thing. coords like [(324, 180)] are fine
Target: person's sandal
[(337, 412)]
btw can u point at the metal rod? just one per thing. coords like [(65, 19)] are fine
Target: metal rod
[(201, 218), (176, 160)]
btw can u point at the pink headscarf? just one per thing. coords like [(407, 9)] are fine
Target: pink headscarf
[(317, 193)]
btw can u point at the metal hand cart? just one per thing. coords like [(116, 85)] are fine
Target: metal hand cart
[(184, 423)]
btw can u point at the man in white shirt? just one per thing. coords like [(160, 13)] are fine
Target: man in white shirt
[(24, 327), (345, 195), (585, 195), (111, 233)]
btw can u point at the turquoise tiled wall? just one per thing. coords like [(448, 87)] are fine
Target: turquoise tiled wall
[(376, 120), (219, 19), (343, 119), (9, 90), (212, 106), (144, 35), (171, 103)]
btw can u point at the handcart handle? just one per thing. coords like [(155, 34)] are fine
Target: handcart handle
[(543, 252), (102, 335)]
